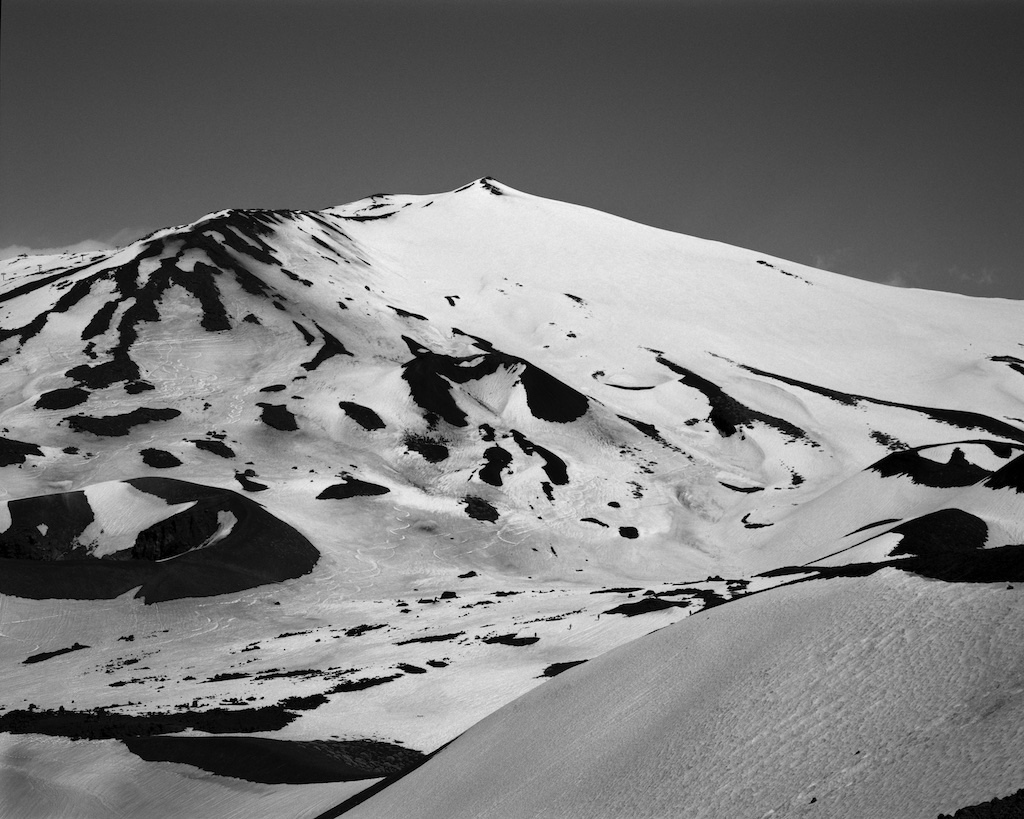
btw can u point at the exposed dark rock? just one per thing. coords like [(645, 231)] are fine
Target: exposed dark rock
[(358, 631), (549, 399), (159, 458), (227, 676), (510, 640), (45, 527), (946, 545), (119, 425), (479, 509), (728, 414), (48, 655), (1009, 807), (361, 684), (430, 376), (97, 376), (406, 314), (296, 278), (945, 532), (1005, 563), (14, 452), (135, 387), (352, 488), (370, 217), (177, 534), (277, 416), (62, 398), (431, 450), (554, 467), (258, 549), (248, 485), (103, 724), (496, 460), (867, 526), (1010, 476), (215, 447), (203, 285), (745, 520), (646, 605), (746, 489), (708, 597), (308, 703), (555, 669), (649, 430), (330, 348), (431, 391), (100, 321), (278, 761), (432, 638), (922, 470), (364, 416), (629, 532), (890, 442), (488, 184)]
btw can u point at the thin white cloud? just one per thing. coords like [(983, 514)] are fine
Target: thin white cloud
[(901, 278), (119, 239), (836, 261), (984, 277), (85, 246)]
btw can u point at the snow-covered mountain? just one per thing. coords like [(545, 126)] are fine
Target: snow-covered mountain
[(335, 485)]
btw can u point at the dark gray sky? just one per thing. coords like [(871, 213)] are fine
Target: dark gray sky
[(877, 139)]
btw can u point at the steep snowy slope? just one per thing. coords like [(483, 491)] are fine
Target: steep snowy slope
[(367, 474)]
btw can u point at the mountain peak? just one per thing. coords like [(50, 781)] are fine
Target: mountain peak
[(488, 435)]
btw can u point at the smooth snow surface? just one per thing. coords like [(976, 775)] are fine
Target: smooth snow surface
[(122, 511)]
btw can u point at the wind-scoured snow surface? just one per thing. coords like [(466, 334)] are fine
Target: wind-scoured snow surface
[(832, 699), (352, 480)]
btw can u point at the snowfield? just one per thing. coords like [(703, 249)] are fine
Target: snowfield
[(648, 525)]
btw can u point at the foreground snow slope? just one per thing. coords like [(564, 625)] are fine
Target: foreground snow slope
[(885, 696)]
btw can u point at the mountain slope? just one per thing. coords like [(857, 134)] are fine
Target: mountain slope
[(539, 324), (384, 467)]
